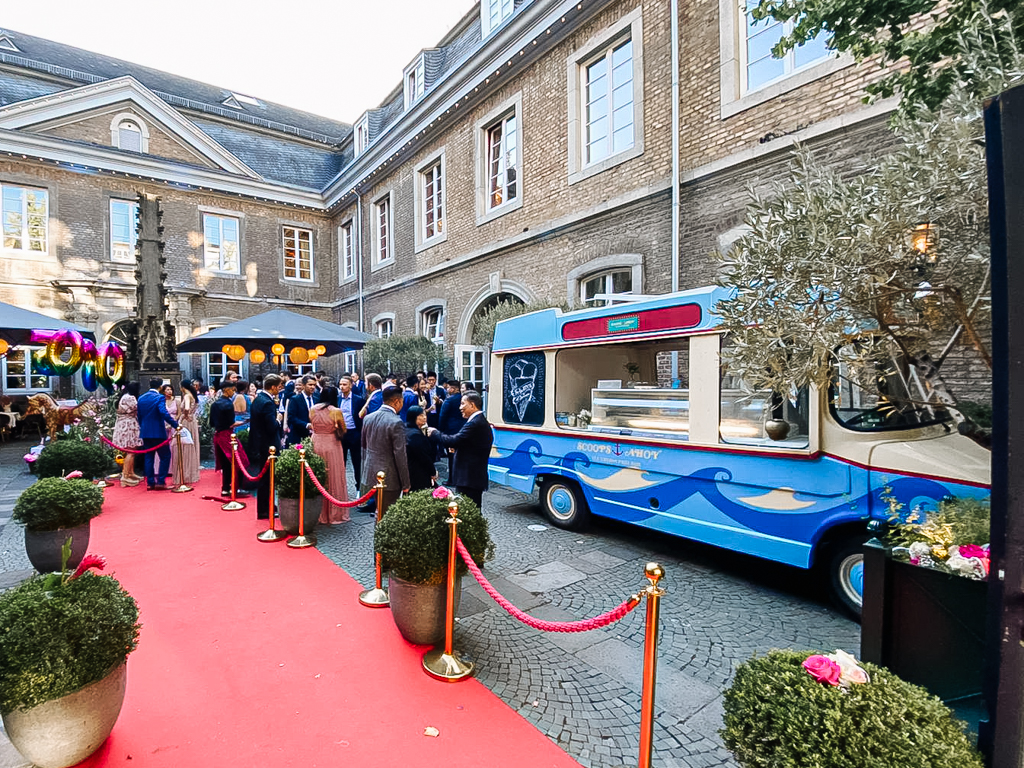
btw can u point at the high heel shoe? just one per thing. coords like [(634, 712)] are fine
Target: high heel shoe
[(129, 482)]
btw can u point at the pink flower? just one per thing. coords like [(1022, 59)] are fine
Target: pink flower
[(30, 457), (87, 439), (73, 475), (972, 550), (89, 561), (441, 493), (822, 669)]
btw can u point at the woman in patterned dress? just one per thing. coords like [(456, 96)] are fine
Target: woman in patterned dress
[(126, 431)]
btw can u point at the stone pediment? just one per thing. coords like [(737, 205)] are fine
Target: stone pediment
[(89, 113)]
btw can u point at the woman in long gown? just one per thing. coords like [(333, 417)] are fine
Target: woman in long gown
[(172, 408), (126, 432), (326, 422), (189, 420)]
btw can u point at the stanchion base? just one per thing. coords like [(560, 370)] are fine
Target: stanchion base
[(272, 534), (102, 484), (375, 598), (233, 506), (114, 477), (299, 542), (448, 667), (182, 489)]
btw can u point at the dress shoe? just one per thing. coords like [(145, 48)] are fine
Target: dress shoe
[(367, 509), (157, 487), (128, 482)]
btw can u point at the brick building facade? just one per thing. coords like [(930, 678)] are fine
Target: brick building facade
[(530, 155)]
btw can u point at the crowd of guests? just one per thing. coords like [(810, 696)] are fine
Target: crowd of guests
[(401, 426)]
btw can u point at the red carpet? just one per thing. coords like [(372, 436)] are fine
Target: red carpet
[(255, 654)]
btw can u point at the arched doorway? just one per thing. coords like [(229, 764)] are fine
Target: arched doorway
[(471, 357)]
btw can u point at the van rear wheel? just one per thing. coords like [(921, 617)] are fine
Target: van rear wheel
[(563, 503), (846, 575)]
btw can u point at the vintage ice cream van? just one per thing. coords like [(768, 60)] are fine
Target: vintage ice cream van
[(625, 412)]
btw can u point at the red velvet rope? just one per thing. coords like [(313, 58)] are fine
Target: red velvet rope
[(132, 450), (249, 477), (547, 626), (334, 501)]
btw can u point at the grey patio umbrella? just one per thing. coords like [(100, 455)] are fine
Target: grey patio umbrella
[(279, 326), (16, 324)]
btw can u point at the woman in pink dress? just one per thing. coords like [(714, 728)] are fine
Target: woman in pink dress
[(172, 408), (326, 422), (188, 419)]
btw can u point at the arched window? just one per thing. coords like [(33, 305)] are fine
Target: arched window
[(128, 132), (606, 280)]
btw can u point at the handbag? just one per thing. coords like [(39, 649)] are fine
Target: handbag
[(339, 432)]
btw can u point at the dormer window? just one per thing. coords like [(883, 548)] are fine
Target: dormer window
[(414, 82), (240, 101), (493, 13), (128, 132), (361, 140), (6, 44)]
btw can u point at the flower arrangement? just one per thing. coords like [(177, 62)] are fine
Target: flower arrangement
[(62, 632), (954, 538), (792, 709), (412, 537)]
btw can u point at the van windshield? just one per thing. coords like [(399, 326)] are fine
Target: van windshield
[(898, 399)]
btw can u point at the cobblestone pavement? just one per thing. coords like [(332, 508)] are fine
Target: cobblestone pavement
[(583, 690)]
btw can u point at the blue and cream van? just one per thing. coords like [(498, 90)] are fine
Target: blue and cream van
[(626, 412)]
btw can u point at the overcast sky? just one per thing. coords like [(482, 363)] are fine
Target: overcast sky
[(335, 58)]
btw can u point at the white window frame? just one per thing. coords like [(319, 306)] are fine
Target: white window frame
[(115, 131), (384, 325), (118, 251), (26, 354), (220, 218), (485, 211), (361, 135), (469, 359), (346, 252), (429, 171), (425, 324), (735, 98), (383, 242), (298, 233), (630, 27), (351, 362), (223, 364), (493, 14), (413, 78), (23, 211), (604, 265)]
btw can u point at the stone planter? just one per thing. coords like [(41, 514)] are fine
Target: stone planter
[(43, 547), (65, 731), (419, 609), (926, 626), (288, 511)]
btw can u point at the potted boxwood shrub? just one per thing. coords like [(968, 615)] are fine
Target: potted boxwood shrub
[(61, 457), (53, 509), (790, 709), (925, 596), (412, 540), (64, 641), (286, 482)]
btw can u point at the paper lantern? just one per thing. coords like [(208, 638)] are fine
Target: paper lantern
[(257, 356), (226, 349), (3, 346), (299, 356), (321, 349), (312, 354), (237, 352), (277, 349)]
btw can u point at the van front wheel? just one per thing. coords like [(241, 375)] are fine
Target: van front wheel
[(563, 503), (846, 575)]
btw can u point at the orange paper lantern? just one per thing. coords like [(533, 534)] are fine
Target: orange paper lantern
[(226, 349), (312, 354), (321, 349), (4, 346), (237, 352), (299, 356), (257, 356), (277, 349)]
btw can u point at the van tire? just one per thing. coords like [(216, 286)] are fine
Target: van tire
[(563, 503), (846, 574)]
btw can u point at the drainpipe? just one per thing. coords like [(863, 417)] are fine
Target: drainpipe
[(359, 232), (674, 21)]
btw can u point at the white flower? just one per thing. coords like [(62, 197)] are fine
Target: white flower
[(850, 672), (920, 549)]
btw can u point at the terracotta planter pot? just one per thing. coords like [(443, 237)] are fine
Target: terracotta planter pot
[(65, 731), (43, 547), (419, 609), (288, 510)]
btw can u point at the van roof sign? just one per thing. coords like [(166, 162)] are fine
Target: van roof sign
[(678, 318)]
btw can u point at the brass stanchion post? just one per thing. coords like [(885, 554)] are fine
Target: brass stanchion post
[(234, 505), (654, 574), (272, 534), (445, 663), (182, 488), (378, 596), (302, 540)]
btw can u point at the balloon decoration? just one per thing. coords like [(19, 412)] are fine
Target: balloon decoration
[(257, 356), (81, 353)]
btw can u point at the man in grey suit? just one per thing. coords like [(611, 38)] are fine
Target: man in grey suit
[(383, 449)]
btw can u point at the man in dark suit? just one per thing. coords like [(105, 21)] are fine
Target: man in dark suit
[(351, 444), (435, 396), (383, 444), (450, 419), (472, 446), (152, 416), (296, 416), (262, 435)]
